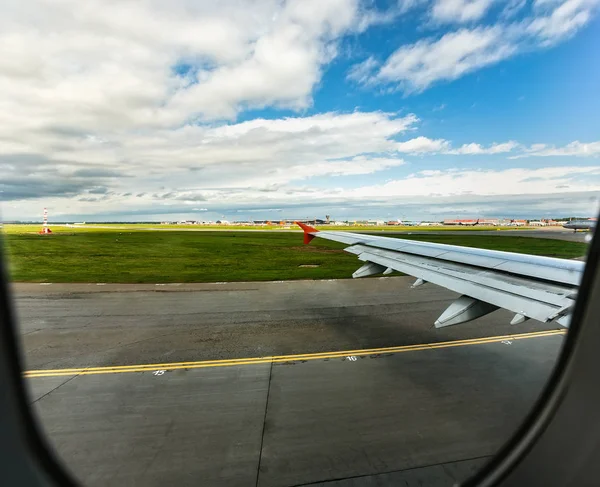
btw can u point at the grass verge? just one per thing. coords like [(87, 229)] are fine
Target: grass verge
[(178, 256)]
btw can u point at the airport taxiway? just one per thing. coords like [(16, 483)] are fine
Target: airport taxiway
[(557, 233), (341, 382), (551, 233)]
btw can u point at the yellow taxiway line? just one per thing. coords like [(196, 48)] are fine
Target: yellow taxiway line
[(119, 369)]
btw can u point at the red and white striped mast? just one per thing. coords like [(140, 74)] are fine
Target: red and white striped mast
[(45, 228)]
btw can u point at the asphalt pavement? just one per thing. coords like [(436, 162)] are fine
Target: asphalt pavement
[(552, 233), (275, 384)]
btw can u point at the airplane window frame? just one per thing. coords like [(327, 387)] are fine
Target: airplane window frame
[(30, 461), (27, 459)]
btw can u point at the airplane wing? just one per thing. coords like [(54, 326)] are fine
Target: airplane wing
[(542, 288)]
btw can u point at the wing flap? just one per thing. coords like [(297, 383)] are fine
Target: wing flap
[(538, 301)]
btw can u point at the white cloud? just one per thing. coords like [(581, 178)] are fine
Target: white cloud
[(448, 190), (355, 166), (512, 8), (283, 67), (418, 65), (256, 153), (447, 11), (261, 145), (514, 191), (118, 65), (362, 72), (228, 164), (415, 67), (406, 5), (420, 145), (375, 123), (577, 149), (425, 145), (477, 149), (514, 181), (562, 22)]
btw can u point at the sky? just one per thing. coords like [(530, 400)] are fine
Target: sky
[(269, 109)]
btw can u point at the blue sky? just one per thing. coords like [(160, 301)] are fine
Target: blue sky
[(419, 109)]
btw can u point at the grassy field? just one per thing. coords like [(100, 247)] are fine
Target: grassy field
[(177, 256)]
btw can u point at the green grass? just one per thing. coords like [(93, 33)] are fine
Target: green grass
[(161, 257), (120, 227)]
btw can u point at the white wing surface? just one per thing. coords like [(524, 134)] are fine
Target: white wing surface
[(542, 288)]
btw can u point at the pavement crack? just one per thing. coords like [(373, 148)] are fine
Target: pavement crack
[(161, 447), (387, 472), (30, 332), (262, 436), (58, 386)]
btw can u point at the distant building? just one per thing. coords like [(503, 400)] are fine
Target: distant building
[(537, 223), (289, 221)]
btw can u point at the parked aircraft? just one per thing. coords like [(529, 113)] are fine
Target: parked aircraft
[(580, 225)]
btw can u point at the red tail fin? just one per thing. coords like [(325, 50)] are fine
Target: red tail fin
[(307, 232)]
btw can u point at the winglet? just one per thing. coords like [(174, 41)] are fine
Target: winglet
[(308, 232)]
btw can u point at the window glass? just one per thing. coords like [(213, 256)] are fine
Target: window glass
[(293, 242)]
